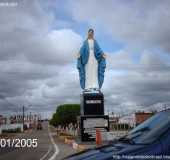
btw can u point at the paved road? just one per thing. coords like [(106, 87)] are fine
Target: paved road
[(49, 147)]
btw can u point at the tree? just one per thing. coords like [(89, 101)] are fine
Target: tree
[(65, 114), (55, 120)]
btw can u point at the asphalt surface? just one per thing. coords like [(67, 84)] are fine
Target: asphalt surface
[(49, 147)]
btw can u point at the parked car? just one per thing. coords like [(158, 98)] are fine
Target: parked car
[(25, 127), (151, 139)]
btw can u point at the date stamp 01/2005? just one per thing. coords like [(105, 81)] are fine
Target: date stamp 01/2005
[(18, 143)]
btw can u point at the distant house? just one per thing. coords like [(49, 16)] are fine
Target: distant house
[(142, 116), (113, 120), (1, 119)]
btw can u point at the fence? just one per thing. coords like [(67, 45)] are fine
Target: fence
[(10, 127)]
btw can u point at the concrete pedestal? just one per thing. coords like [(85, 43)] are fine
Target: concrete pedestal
[(92, 104), (92, 116)]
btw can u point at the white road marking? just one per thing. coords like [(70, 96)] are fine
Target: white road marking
[(55, 146), (45, 155)]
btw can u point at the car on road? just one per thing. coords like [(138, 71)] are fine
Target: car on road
[(39, 126), (149, 140), (25, 127)]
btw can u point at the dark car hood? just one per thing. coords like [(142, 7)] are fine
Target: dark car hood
[(106, 151)]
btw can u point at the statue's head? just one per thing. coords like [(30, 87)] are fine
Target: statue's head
[(90, 33)]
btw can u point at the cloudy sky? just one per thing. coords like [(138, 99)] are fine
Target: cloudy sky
[(39, 40)]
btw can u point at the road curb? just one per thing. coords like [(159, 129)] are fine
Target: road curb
[(78, 147), (73, 143), (69, 141)]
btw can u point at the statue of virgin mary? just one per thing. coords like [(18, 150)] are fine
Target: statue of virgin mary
[(91, 64)]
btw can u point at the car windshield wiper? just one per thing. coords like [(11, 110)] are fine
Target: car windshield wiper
[(129, 137), (141, 130), (126, 140), (138, 132)]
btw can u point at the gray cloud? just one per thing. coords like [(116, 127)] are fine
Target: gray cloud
[(38, 66), (32, 54), (137, 23), (133, 86)]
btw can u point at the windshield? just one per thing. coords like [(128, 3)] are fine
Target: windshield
[(151, 129)]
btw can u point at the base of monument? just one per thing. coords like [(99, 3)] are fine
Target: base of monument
[(92, 103), (88, 125)]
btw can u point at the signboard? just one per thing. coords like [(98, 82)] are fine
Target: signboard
[(88, 125)]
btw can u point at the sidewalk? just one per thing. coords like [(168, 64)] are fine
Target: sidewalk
[(73, 141), (77, 144)]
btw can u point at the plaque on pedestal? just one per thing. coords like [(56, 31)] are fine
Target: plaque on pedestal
[(92, 104), (89, 124)]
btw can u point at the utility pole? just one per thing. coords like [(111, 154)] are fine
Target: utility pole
[(30, 117), (23, 115)]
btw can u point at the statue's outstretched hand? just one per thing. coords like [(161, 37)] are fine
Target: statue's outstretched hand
[(78, 55), (104, 55)]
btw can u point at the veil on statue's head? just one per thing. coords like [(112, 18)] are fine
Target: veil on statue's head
[(91, 30)]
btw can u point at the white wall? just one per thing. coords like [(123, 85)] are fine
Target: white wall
[(11, 126)]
